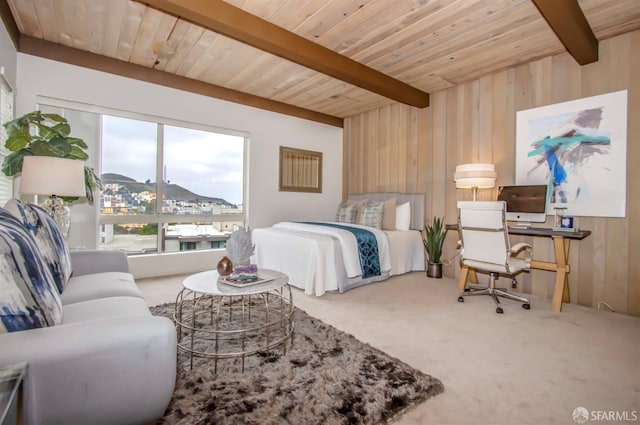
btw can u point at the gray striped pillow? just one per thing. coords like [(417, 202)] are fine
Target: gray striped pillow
[(346, 213), (372, 213)]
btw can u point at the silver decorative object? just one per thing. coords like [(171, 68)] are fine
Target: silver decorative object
[(239, 246)]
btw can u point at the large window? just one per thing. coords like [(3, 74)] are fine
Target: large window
[(168, 185), (168, 188)]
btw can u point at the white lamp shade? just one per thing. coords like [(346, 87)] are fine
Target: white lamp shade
[(46, 175), (478, 175)]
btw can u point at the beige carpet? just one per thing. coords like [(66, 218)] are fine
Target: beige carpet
[(522, 367)]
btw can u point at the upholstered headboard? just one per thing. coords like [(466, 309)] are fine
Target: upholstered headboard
[(416, 200)]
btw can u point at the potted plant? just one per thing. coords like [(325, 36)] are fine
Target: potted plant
[(40, 134), (433, 243)]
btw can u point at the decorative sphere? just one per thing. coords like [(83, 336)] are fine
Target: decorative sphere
[(225, 266)]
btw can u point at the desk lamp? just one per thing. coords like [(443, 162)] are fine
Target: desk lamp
[(54, 177), (474, 176)]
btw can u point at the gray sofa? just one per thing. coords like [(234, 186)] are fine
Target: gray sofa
[(109, 361)]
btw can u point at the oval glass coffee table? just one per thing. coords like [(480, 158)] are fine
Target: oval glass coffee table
[(220, 320)]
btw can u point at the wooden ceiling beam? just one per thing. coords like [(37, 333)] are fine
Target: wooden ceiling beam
[(60, 53), (566, 19), (9, 22), (233, 22)]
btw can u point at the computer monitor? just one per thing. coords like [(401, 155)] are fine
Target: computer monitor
[(526, 204)]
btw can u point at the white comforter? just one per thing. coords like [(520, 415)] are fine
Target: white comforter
[(308, 255), (348, 243)]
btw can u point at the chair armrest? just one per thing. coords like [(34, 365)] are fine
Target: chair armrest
[(98, 261), (104, 371), (517, 248)]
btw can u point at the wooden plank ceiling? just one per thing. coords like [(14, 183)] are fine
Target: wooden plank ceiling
[(427, 45)]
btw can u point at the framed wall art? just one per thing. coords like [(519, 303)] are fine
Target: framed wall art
[(579, 149), (300, 170)]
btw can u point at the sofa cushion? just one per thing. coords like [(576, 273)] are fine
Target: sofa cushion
[(48, 237), (28, 295), (99, 285), (105, 308)]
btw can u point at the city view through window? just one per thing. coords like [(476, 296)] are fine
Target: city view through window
[(168, 188)]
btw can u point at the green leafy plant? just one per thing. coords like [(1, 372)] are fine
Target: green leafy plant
[(434, 239), (39, 134)]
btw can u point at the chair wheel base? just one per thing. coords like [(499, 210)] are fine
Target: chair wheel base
[(526, 306), (499, 310), (460, 299)]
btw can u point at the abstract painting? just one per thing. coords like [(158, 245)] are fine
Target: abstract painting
[(579, 149)]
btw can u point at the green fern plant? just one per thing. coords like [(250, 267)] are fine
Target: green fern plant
[(434, 239)]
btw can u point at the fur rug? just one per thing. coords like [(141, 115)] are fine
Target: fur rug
[(326, 377)]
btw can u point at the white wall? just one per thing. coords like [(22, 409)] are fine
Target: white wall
[(8, 57), (268, 130)]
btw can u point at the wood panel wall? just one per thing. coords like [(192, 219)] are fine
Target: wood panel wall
[(400, 148)]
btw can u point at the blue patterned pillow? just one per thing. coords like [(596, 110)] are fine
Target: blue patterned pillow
[(372, 213), (346, 213), (28, 295), (49, 238)]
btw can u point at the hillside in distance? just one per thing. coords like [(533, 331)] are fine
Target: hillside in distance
[(171, 191)]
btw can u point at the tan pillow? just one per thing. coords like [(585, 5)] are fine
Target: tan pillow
[(359, 205), (389, 215)]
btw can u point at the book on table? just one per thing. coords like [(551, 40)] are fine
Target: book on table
[(244, 280)]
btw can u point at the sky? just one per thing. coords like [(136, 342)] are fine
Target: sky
[(205, 163)]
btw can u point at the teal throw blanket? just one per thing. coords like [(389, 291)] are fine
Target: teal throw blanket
[(367, 248)]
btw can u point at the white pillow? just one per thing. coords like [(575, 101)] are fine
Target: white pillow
[(403, 216)]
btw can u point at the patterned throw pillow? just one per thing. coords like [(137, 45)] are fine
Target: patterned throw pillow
[(359, 204), (346, 213), (48, 237), (28, 295), (372, 214)]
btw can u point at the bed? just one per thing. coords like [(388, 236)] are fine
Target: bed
[(324, 256)]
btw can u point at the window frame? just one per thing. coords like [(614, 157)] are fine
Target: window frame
[(158, 217), (7, 113)]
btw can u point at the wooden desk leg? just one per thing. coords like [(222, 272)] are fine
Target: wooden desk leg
[(473, 276), (465, 273), (566, 298), (462, 282), (561, 286)]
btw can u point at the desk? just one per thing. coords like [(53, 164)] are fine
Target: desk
[(561, 240)]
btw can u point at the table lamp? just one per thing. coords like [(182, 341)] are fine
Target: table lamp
[(474, 176), (47, 175)]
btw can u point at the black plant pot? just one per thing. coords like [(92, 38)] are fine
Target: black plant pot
[(434, 270)]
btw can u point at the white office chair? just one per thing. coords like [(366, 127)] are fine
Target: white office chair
[(486, 247)]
